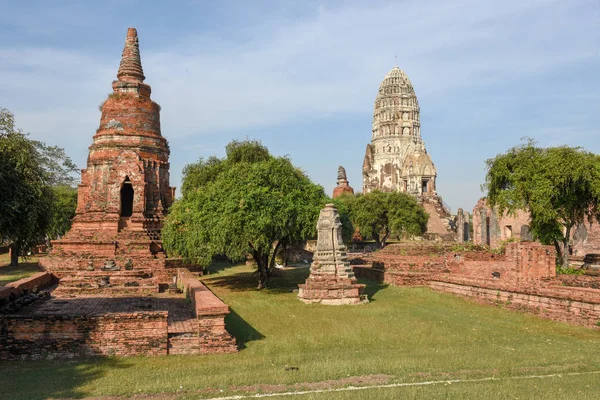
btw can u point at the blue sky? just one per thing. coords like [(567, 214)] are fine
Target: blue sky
[(302, 76)]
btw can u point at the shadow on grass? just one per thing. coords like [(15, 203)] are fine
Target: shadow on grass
[(14, 273), (241, 330), (29, 380), (218, 266), (282, 281), (372, 287)]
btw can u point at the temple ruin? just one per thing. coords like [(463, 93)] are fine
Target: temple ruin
[(396, 159), (124, 191), (117, 292)]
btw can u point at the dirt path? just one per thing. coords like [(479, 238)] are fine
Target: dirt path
[(350, 384)]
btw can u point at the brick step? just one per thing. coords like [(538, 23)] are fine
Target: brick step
[(108, 290), (136, 273), (183, 343), (93, 281)]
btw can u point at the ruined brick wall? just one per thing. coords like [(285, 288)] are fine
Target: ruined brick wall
[(586, 239), (396, 278), (523, 278), (162, 269), (551, 304), (62, 336), (210, 312), (39, 280), (531, 261), (489, 228)]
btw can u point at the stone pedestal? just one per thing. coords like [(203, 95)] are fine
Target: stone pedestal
[(331, 279)]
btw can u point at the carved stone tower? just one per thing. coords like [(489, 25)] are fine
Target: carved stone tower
[(124, 190), (396, 158), (331, 279)]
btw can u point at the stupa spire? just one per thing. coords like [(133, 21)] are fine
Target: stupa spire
[(130, 69)]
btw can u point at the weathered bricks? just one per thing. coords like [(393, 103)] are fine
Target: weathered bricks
[(524, 277)]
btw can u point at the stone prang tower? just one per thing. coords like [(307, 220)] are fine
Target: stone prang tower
[(396, 158)]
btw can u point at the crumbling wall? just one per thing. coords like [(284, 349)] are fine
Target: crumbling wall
[(24, 337), (210, 312), (490, 228)]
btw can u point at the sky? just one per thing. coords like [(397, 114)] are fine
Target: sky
[(302, 76)]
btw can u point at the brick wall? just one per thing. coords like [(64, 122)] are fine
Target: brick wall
[(573, 306), (524, 277), (210, 312), (397, 278), (68, 336), (491, 228), (39, 280)]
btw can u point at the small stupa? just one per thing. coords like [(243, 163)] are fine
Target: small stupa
[(331, 279), (342, 184)]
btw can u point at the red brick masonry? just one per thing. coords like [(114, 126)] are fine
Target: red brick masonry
[(96, 325), (523, 278), (47, 336), (39, 280), (210, 312)]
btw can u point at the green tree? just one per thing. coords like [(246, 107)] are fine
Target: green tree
[(344, 204), (558, 186), (63, 206), (25, 197), (38, 199), (380, 215), (248, 202)]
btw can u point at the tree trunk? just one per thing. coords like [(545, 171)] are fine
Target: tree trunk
[(274, 256), (262, 261), (565, 250), (385, 238), (286, 255), (15, 249), (377, 241), (558, 249)]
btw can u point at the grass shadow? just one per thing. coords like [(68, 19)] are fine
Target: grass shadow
[(14, 273), (372, 287), (282, 281), (30, 380), (217, 266), (241, 330)]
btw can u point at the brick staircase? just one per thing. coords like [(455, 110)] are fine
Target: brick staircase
[(436, 223), (134, 282)]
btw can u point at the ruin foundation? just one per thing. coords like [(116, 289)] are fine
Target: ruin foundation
[(522, 278)]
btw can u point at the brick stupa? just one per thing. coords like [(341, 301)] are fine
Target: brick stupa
[(124, 191), (342, 184), (331, 279)]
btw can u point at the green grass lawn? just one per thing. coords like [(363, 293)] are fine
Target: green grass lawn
[(403, 335), (26, 267)]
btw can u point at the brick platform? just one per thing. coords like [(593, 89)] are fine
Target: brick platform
[(68, 326)]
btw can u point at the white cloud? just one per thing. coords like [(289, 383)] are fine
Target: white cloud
[(327, 62)]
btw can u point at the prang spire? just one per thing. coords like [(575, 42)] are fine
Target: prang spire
[(130, 69)]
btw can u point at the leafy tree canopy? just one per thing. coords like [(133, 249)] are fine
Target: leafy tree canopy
[(558, 186), (64, 204), (344, 204), (28, 171), (248, 202), (380, 215)]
